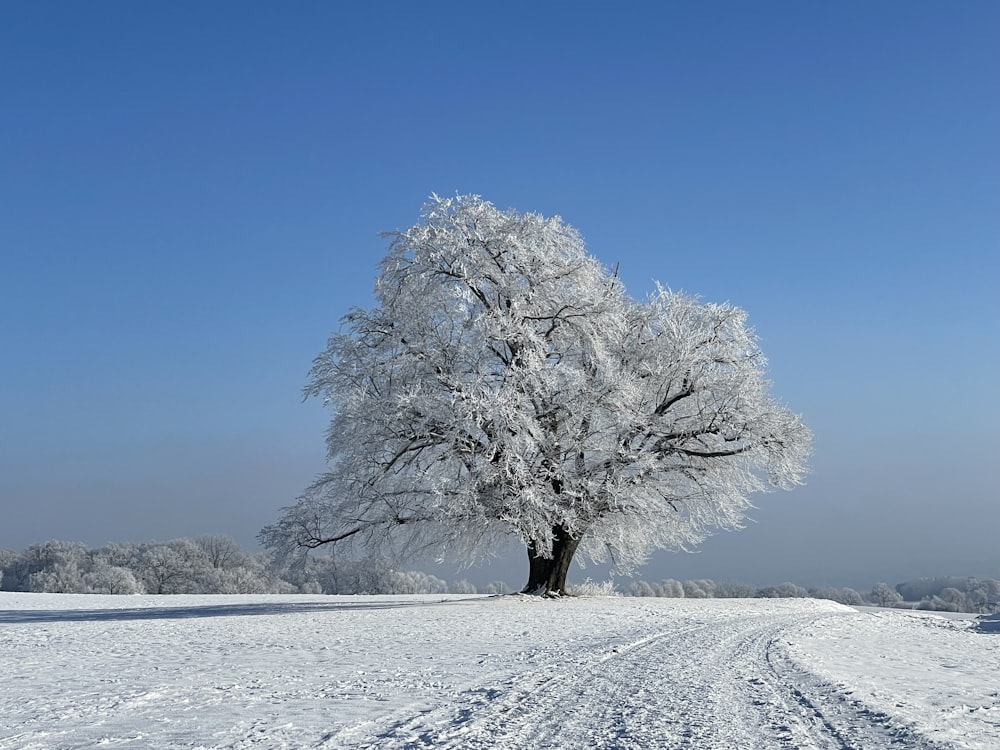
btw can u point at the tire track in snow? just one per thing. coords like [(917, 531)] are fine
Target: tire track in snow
[(726, 683)]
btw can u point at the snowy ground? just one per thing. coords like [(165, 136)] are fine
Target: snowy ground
[(509, 672)]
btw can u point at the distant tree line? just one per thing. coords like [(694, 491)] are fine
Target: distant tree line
[(218, 565), (207, 565), (941, 594), (704, 588), (952, 594)]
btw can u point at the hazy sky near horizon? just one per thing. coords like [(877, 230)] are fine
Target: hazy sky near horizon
[(191, 195)]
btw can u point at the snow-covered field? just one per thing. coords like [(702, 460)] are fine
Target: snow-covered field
[(507, 672)]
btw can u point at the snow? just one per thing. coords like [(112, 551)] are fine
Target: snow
[(83, 671), (989, 623)]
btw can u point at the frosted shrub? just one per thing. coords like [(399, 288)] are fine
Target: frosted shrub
[(594, 588)]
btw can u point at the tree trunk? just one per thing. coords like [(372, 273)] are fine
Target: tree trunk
[(547, 575)]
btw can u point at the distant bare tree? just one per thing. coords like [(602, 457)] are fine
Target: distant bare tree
[(221, 551)]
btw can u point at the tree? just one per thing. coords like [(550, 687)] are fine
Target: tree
[(785, 590), (462, 587), (34, 567), (842, 595), (735, 590), (505, 384), (701, 589), (221, 551), (62, 577), (496, 587), (109, 579), (7, 559), (885, 596), (119, 555), (670, 588), (414, 582), (175, 567), (640, 588)]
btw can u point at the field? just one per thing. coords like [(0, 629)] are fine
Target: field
[(505, 672)]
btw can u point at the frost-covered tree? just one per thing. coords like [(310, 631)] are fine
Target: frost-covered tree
[(506, 384), (36, 566), (462, 586), (785, 590), (670, 588), (175, 567), (109, 579), (7, 559), (120, 555), (700, 589), (955, 599), (640, 588), (981, 595), (735, 590), (63, 577), (221, 551), (925, 588), (414, 582), (885, 596)]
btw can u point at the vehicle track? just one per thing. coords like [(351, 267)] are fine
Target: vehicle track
[(721, 684)]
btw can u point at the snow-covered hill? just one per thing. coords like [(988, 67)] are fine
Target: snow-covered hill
[(509, 672)]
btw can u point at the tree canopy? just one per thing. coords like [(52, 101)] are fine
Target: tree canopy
[(506, 384)]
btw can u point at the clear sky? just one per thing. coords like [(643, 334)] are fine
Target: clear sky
[(191, 195)]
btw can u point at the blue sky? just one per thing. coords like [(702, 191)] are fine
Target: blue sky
[(191, 195)]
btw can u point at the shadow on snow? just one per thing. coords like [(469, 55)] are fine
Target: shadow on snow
[(207, 610)]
